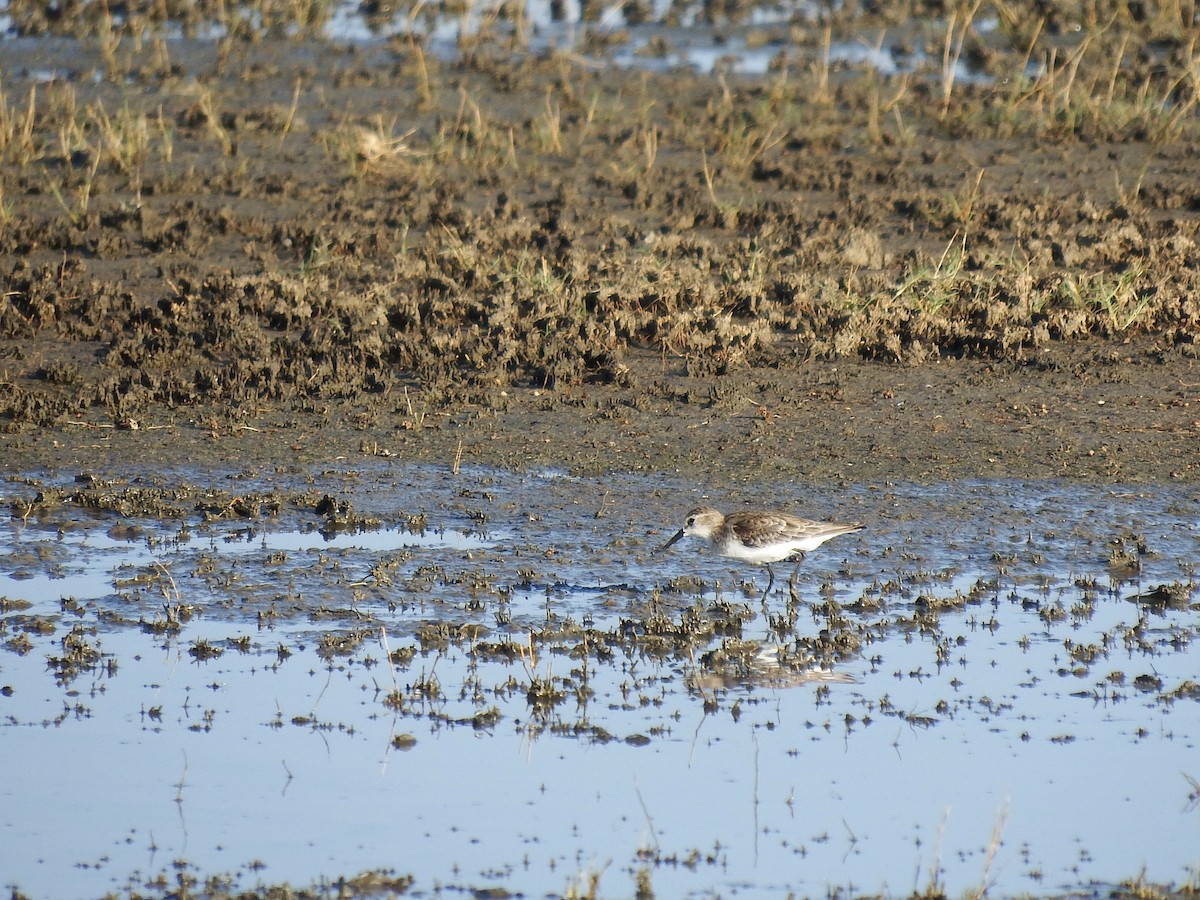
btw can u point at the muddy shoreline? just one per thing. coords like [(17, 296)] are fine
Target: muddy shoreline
[(528, 262), (1131, 420)]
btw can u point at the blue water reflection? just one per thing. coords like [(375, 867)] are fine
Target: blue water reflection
[(1037, 738)]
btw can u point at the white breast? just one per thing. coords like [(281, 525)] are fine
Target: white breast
[(767, 553)]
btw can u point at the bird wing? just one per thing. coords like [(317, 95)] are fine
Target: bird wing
[(761, 528)]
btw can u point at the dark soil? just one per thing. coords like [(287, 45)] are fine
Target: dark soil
[(266, 252)]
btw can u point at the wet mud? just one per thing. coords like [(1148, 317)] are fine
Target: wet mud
[(510, 311), (290, 249), (1046, 626)]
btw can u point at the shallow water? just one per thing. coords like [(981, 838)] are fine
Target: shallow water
[(664, 37), (1011, 717)]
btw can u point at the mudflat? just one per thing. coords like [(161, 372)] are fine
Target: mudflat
[(241, 264), (272, 251)]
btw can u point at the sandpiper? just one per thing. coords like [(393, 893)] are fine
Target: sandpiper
[(761, 536)]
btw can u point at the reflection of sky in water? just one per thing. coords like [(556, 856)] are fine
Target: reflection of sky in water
[(378, 540), (695, 44), (81, 556), (289, 761)]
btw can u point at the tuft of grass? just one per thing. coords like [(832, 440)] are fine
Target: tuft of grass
[(960, 207), (1099, 88), (76, 205), (124, 138), (17, 144), (549, 127), (206, 106), (728, 210), (959, 24), (636, 156), (1120, 302), (820, 70), (370, 149), (929, 289), (584, 886)]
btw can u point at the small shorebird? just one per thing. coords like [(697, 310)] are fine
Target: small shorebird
[(761, 537)]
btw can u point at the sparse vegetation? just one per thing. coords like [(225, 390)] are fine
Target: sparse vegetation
[(462, 240)]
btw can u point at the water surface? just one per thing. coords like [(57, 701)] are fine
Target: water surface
[(1019, 713)]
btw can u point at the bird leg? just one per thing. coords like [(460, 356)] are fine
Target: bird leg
[(792, 581), (770, 583)]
